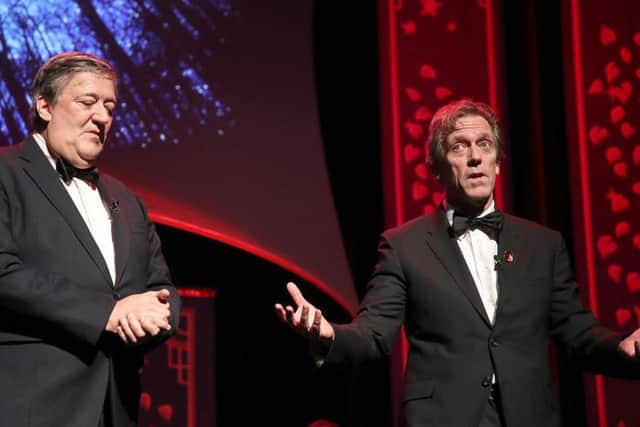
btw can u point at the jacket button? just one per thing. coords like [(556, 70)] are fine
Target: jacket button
[(116, 295), (486, 381), (494, 343)]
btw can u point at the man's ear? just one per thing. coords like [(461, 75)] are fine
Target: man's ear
[(43, 107), (498, 169)]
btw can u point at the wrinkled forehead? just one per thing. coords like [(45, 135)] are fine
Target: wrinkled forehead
[(471, 126), (90, 82)]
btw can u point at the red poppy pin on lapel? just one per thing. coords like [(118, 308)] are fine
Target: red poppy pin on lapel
[(508, 256)]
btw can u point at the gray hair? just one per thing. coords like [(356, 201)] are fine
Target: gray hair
[(54, 74)]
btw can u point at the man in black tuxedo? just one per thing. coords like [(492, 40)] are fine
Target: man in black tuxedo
[(84, 288), (480, 294)]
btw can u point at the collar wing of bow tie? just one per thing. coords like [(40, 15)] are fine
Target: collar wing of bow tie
[(67, 172), (490, 224)]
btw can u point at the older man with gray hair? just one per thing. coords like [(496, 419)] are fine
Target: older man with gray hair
[(84, 288)]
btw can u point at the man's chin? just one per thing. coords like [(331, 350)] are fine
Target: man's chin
[(479, 199), (474, 202), (90, 158)]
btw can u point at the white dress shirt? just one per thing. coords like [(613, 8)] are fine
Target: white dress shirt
[(91, 207), (479, 252)]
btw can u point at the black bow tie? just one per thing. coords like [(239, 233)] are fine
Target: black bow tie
[(67, 172), (491, 224)]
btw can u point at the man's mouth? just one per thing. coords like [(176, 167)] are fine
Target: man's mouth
[(476, 175), (98, 134)]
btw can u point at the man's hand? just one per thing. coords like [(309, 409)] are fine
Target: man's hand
[(630, 346), (140, 315), (306, 319)]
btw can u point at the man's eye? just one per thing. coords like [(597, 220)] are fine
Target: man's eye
[(456, 147), (486, 144)]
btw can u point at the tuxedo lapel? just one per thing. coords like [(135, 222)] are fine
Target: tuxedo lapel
[(46, 179), (446, 250), (119, 229), (510, 249)]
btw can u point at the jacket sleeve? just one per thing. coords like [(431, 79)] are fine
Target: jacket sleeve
[(373, 331), (159, 277), (588, 343), (35, 302)]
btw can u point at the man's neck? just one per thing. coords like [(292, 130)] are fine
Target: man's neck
[(468, 208)]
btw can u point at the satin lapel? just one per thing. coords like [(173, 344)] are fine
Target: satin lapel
[(448, 253), (46, 179), (119, 229), (509, 249)]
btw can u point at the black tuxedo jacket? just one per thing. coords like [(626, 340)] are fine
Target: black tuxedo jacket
[(57, 365), (422, 280)]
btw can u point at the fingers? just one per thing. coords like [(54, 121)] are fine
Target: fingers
[(280, 312), (150, 327), (163, 295), (130, 336), (285, 314), (121, 334), (304, 318), (136, 325), (290, 316), (299, 320), (296, 295), (630, 346), (315, 326), (131, 328), (155, 312)]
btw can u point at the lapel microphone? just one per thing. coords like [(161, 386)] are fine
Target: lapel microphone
[(114, 206), (497, 266)]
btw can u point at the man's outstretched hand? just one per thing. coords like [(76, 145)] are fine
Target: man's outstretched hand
[(630, 346), (305, 319)]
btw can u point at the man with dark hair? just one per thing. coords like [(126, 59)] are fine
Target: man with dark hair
[(480, 293), (84, 288)]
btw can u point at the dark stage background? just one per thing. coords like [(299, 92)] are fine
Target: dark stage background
[(275, 140)]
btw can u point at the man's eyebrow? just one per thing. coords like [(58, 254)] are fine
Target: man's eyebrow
[(96, 96), (484, 135), (91, 94), (459, 138)]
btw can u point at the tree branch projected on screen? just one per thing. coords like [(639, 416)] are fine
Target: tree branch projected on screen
[(164, 52)]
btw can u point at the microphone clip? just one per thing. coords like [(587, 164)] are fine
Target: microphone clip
[(114, 206), (497, 263)]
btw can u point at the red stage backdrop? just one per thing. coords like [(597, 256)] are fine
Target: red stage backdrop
[(432, 52), (178, 378), (602, 64)]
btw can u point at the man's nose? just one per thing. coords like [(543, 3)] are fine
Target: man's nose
[(101, 115), (474, 154)]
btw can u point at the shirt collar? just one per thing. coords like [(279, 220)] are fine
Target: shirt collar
[(43, 146), (449, 210)]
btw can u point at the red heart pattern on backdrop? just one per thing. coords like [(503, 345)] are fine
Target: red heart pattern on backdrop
[(614, 169)]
